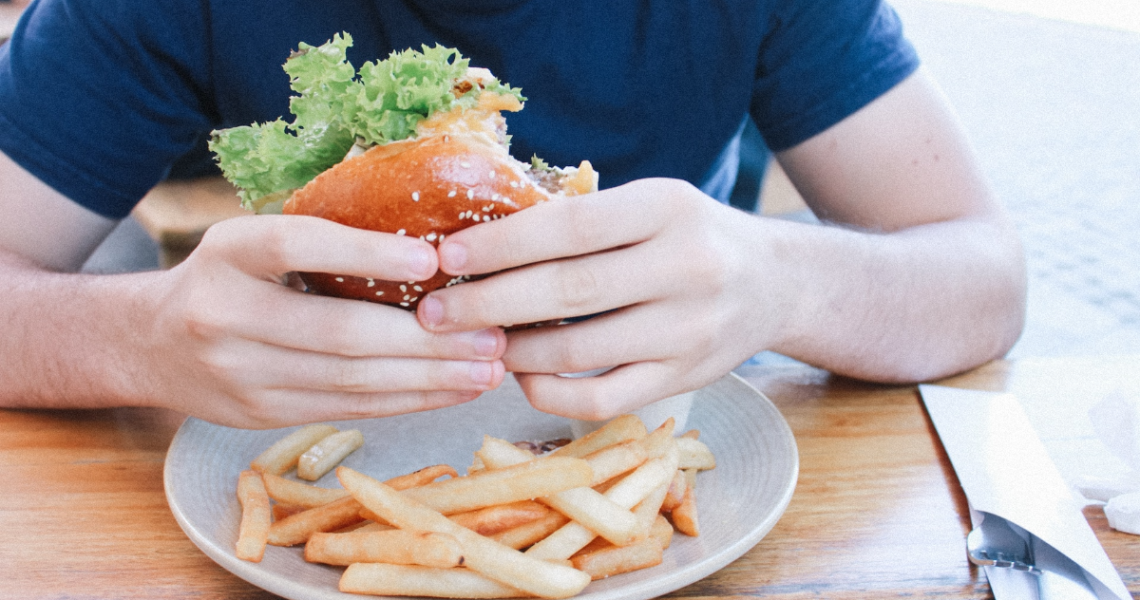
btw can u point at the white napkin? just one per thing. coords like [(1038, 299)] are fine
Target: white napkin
[(1005, 470), (1116, 420)]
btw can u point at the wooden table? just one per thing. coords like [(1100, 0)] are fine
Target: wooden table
[(877, 513)]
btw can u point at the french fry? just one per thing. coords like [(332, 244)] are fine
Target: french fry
[(685, 514), (690, 478), (422, 477), (495, 519), (695, 454), (500, 486), (283, 454), (647, 511), (620, 429), (404, 580), (662, 531), (295, 493), (614, 560), (527, 534), (481, 554), (660, 440), (597, 513), (255, 517), (611, 461), (676, 492), (281, 511), (583, 505), (321, 457), (374, 526), (296, 529), (394, 546), (626, 493), (407, 481)]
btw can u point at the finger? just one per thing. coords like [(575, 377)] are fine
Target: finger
[(280, 408), (269, 367), (269, 246), (281, 316), (614, 393), (564, 227), (554, 290), (630, 335)]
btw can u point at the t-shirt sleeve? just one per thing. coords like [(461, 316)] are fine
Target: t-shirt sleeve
[(822, 60), (98, 98)]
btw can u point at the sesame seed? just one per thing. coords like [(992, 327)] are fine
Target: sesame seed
[(451, 194), (406, 296), (441, 238), (371, 283), (340, 279), (431, 237), (488, 208), (514, 184), (465, 165), (494, 198), (470, 194), (403, 288), (404, 304), (401, 232), (414, 298), (491, 174), (417, 288), (381, 293), (415, 196)]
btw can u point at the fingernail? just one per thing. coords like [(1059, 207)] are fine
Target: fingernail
[(431, 312), (482, 372), (420, 263), (453, 258), (486, 343)]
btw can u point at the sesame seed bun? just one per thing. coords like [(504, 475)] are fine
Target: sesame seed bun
[(455, 174)]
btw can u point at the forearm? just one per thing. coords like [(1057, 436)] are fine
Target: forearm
[(911, 305), (69, 339)]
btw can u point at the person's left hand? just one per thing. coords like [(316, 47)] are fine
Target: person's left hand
[(676, 269)]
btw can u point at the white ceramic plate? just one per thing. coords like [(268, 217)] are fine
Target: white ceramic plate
[(740, 500)]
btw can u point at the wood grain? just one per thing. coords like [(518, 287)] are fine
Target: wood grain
[(877, 513)]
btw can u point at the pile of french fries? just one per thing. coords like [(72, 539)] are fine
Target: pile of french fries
[(516, 525)]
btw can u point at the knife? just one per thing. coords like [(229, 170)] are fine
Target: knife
[(1060, 577)]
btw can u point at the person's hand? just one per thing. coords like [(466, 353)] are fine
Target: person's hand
[(235, 344), (668, 262)]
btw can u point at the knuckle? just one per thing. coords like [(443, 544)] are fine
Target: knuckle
[(341, 336), (472, 303), (577, 286), (594, 406), (202, 323), (580, 226), (275, 241), (347, 375), (706, 264), (573, 356)]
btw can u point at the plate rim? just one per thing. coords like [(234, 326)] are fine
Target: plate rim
[(636, 590)]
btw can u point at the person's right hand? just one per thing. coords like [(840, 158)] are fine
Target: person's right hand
[(234, 343)]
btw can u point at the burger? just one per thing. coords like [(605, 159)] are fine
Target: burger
[(414, 144)]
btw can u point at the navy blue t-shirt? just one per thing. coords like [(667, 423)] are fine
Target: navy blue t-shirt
[(100, 99)]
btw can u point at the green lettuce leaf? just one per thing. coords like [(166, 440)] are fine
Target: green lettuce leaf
[(334, 107)]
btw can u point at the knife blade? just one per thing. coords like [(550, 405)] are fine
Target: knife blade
[(1060, 577)]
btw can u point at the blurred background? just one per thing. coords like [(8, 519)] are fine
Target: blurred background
[(1049, 91)]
